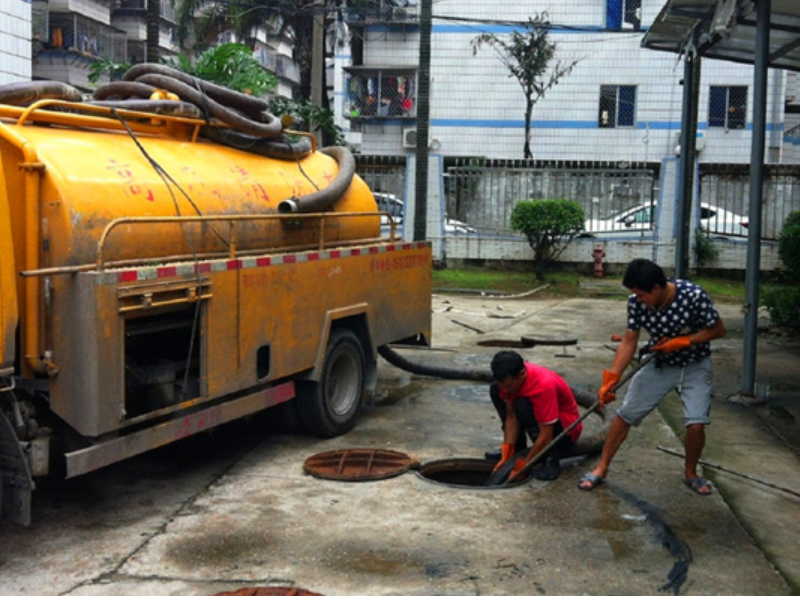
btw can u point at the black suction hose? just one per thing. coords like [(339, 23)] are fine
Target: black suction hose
[(242, 102), (23, 93), (281, 148), (324, 199), (584, 399)]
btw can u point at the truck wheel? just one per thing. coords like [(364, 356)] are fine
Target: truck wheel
[(330, 406)]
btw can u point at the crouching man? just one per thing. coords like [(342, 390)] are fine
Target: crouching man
[(534, 401)]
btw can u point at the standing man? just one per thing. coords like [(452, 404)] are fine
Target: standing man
[(681, 321), (534, 400)]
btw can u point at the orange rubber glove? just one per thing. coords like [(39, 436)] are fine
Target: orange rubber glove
[(517, 470), (673, 344), (604, 394), (506, 450)]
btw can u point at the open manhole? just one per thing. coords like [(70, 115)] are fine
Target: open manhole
[(472, 473), (269, 591), (358, 464)]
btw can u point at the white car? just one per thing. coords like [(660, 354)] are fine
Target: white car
[(389, 203), (638, 219)]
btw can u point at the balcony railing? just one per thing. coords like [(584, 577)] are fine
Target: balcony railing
[(167, 7), (70, 31), (280, 64), (384, 11)]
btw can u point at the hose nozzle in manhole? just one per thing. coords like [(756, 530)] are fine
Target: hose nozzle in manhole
[(472, 473)]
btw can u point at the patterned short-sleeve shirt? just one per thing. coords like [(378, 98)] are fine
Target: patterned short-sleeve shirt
[(690, 311)]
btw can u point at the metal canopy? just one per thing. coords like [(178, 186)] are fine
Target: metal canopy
[(726, 29)]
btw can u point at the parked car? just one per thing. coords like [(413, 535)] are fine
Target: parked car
[(716, 220), (391, 204)]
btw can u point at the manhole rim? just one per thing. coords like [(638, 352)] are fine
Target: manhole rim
[(421, 468)]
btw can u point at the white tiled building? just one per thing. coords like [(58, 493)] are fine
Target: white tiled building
[(15, 41), (478, 110)]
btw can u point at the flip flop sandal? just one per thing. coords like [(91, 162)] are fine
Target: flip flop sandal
[(696, 483), (593, 481)]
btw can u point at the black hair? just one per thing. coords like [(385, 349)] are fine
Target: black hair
[(644, 275), (506, 363)]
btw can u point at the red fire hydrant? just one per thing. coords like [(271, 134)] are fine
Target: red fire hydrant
[(599, 254)]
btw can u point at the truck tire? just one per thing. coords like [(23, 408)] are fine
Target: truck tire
[(330, 406)]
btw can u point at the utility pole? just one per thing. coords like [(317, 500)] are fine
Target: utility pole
[(317, 56), (153, 30), (686, 167), (423, 120)]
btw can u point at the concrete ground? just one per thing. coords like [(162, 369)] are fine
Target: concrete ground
[(234, 509)]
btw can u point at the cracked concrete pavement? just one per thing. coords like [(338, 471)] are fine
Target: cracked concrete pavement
[(233, 508)]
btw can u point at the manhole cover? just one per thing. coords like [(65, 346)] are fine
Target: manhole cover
[(358, 464), (269, 591), (470, 473)]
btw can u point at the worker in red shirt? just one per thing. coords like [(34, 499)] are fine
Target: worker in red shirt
[(536, 401)]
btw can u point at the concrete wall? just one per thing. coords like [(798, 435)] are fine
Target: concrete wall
[(15, 41), (99, 10), (476, 109)]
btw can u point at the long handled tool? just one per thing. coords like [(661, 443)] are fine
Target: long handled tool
[(502, 481)]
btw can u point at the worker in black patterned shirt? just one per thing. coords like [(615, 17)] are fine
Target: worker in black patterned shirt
[(681, 321)]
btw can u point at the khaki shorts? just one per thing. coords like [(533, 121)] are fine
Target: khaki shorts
[(651, 384)]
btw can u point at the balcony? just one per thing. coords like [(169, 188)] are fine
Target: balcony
[(73, 43), (381, 93), (385, 12), (167, 8), (281, 65)]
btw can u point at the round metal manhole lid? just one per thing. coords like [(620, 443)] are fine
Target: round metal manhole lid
[(269, 591), (358, 464)]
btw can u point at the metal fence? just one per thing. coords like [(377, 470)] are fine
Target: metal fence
[(615, 198), (383, 174), (725, 198)]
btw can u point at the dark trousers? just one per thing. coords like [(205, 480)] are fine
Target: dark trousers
[(528, 425)]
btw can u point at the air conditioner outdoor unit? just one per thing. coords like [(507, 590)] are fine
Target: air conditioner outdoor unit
[(410, 138)]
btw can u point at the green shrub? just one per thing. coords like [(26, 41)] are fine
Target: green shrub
[(549, 226), (789, 245), (783, 304), (704, 249)]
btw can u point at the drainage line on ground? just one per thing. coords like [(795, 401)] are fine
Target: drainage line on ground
[(732, 472), (679, 549)]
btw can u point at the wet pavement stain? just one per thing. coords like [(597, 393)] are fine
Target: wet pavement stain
[(406, 395), (217, 549), (375, 563)]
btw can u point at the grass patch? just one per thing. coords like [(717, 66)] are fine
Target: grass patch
[(567, 283), (561, 283)]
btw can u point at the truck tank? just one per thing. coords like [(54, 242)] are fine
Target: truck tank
[(89, 178)]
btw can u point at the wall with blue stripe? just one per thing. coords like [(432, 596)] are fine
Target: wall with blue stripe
[(477, 109)]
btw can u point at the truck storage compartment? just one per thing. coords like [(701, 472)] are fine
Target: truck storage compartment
[(162, 360)]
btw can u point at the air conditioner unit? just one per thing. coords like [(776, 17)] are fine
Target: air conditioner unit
[(410, 138)]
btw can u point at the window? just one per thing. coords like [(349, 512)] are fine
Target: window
[(381, 93), (624, 14), (727, 106), (617, 106)]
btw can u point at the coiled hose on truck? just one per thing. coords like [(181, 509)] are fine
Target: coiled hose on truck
[(233, 119)]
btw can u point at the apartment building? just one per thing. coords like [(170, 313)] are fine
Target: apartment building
[(15, 41), (620, 102)]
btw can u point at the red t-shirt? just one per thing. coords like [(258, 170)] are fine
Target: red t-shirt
[(551, 398)]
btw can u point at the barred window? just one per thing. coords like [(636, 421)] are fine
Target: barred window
[(727, 106), (617, 106), (374, 92)]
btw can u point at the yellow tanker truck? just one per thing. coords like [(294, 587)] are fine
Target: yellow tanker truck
[(155, 284)]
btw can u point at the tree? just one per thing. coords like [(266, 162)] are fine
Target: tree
[(549, 226), (527, 55), (231, 65)]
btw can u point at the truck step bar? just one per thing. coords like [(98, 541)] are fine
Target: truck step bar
[(103, 454)]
